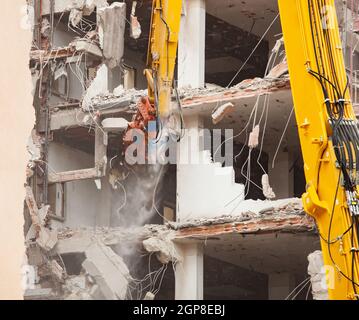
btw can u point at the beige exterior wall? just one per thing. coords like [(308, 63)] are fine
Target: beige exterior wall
[(16, 121)]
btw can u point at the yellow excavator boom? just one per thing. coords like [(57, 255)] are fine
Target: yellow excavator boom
[(329, 135), (327, 126), (162, 52)]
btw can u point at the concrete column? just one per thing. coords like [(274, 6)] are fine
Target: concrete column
[(191, 46), (191, 144), (189, 272), (281, 180), (114, 78), (280, 285)]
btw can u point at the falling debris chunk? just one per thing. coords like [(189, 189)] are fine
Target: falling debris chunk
[(221, 112), (135, 30), (267, 189), (149, 296), (164, 250), (254, 137)]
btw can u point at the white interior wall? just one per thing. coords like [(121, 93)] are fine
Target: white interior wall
[(204, 188), (85, 205)]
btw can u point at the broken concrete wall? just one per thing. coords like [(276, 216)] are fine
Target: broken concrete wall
[(87, 6), (109, 271), (112, 21)]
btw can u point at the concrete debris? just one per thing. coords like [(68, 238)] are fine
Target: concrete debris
[(128, 98), (245, 216), (104, 274), (248, 210), (34, 254), (164, 249), (221, 112), (109, 271), (119, 91), (135, 29), (45, 28), (149, 296), (114, 124), (112, 22), (80, 8), (96, 293), (77, 240), (267, 189), (76, 282), (278, 71), (255, 86), (98, 86), (73, 242), (47, 238), (254, 137), (57, 270), (33, 209), (317, 274), (85, 45), (39, 294), (78, 288), (260, 83), (34, 146), (43, 214)]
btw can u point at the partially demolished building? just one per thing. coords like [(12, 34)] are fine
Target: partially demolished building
[(97, 227)]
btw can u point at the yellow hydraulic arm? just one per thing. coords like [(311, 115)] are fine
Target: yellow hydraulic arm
[(327, 125), (162, 51), (329, 136)]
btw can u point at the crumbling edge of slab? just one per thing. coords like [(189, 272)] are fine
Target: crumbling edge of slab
[(285, 224)]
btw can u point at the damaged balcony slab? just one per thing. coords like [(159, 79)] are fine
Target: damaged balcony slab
[(107, 104), (75, 49), (257, 216), (77, 240), (281, 237), (191, 98), (281, 241), (99, 170), (202, 100), (244, 225)]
